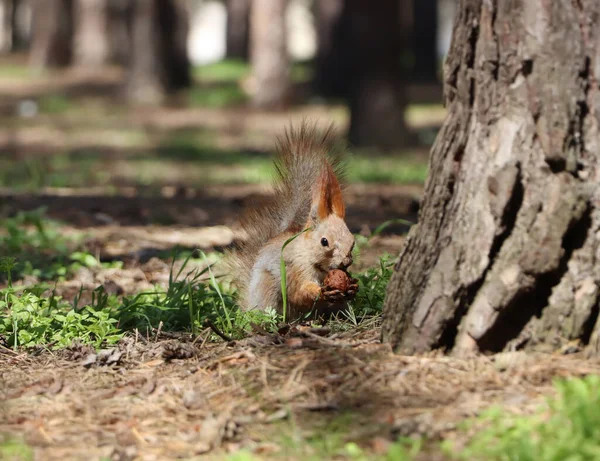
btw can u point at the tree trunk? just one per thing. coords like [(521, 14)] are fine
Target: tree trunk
[(238, 29), (376, 89), (424, 41), (21, 24), (360, 58), (120, 20), (159, 62), (507, 250), (270, 62), (91, 33), (52, 39), (6, 15), (446, 12), (332, 56)]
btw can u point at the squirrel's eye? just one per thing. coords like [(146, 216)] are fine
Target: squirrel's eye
[(324, 242)]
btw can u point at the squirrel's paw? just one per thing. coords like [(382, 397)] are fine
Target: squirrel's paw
[(332, 296), (352, 290), (336, 296)]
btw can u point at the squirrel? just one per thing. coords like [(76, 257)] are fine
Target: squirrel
[(307, 203)]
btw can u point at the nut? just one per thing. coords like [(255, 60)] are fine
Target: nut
[(337, 279)]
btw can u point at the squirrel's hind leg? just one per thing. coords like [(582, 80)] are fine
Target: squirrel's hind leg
[(264, 291)]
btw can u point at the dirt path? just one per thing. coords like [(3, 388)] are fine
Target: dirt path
[(274, 395)]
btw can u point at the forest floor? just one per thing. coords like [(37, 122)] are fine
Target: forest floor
[(122, 191), (300, 396)]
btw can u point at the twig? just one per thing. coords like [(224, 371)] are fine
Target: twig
[(216, 331)]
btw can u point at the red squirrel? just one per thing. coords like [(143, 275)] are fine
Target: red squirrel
[(307, 195)]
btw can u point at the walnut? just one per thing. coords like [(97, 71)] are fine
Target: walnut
[(337, 279)]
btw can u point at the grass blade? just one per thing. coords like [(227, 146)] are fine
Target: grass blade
[(283, 271)]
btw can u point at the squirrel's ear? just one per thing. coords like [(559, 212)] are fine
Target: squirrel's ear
[(327, 196)]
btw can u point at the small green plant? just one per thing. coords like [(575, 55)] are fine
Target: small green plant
[(373, 284), (568, 428), (39, 248), (373, 281), (336, 437), (13, 449), (30, 319)]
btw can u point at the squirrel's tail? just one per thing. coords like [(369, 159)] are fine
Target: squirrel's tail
[(303, 155)]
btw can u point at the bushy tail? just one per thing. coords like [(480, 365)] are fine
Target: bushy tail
[(303, 155)]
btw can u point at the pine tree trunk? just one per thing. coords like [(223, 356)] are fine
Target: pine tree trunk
[(120, 17), (52, 39), (158, 62), (21, 16), (6, 23), (270, 62), (376, 89), (92, 44), (507, 250), (424, 41), (360, 51), (332, 55), (238, 29)]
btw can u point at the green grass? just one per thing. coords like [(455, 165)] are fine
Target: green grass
[(335, 437), (394, 169), (567, 428), (12, 71), (55, 104), (35, 315), (219, 83), (216, 96), (228, 70), (39, 248), (33, 172), (233, 70), (13, 449)]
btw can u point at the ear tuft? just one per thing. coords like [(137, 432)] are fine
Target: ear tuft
[(327, 196)]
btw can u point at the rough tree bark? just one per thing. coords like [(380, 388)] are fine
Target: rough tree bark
[(507, 250), (158, 62), (52, 39), (238, 29), (269, 57), (92, 43)]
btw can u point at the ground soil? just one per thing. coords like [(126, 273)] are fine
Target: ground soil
[(176, 398)]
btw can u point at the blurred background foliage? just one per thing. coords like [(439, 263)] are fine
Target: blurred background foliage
[(163, 94)]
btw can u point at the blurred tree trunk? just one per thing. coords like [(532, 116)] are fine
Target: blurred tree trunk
[(361, 56), (375, 74), (52, 34), (91, 33), (424, 40), (120, 16), (333, 58), (446, 12), (507, 250), (238, 29), (159, 62), (6, 25), (21, 24), (270, 62)]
